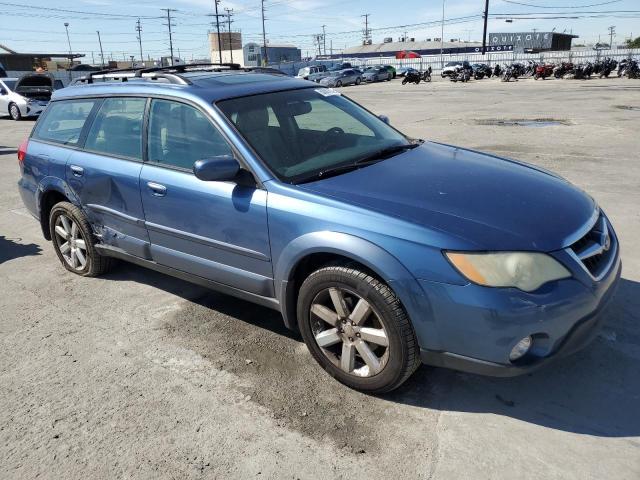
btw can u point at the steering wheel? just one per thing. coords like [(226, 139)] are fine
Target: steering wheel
[(328, 139)]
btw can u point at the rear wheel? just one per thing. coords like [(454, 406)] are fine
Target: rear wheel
[(356, 329), (74, 242), (14, 111), (358, 81)]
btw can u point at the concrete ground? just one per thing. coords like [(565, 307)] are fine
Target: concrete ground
[(138, 375)]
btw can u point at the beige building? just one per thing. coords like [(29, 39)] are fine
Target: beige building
[(231, 45)]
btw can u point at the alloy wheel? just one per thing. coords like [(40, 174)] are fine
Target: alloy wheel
[(71, 242), (349, 332), (14, 111)]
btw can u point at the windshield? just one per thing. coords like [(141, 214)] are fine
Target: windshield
[(452, 64), (304, 71), (300, 133), (10, 84)]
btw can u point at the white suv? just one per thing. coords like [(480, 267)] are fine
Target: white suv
[(26, 96)]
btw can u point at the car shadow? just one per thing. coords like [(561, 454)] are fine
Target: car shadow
[(594, 392), (10, 249)]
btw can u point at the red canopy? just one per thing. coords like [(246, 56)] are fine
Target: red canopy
[(405, 54)]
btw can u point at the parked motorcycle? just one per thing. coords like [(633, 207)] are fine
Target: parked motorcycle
[(603, 68), (461, 75), (543, 71), (512, 71), (412, 77), (629, 68), (563, 69), (426, 76)]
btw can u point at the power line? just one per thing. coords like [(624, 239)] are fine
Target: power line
[(72, 11)]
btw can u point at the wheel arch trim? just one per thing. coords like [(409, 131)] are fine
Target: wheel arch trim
[(375, 258)]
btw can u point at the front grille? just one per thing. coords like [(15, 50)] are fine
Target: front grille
[(596, 248)]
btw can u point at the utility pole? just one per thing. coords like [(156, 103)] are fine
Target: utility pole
[(66, 26), (484, 34), (139, 30), (265, 60), (442, 38), (101, 52), (169, 10), (215, 3), (229, 14), (367, 33), (612, 32), (324, 39)]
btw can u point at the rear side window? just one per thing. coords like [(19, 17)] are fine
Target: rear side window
[(117, 128), (180, 134), (63, 121)]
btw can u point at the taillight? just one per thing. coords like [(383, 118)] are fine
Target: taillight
[(22, 151)]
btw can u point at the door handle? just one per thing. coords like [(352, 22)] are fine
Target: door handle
[(77, 171), (157, 190)]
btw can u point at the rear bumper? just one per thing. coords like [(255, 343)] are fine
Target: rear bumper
[(580, 333)]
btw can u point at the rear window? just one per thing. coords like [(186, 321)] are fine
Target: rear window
[(117, 128), (63, 121)]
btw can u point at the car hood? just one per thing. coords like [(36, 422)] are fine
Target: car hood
[(490, 202)]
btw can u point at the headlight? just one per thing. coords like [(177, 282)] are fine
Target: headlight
[(524, 270)]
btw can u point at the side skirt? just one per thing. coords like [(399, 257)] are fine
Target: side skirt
[(204, 282)]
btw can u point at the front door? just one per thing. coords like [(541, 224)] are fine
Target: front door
[(216, 230)]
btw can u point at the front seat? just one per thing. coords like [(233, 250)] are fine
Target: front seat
[(267, 141)]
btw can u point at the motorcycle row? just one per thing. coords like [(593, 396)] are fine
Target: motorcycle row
[(539, 71), (603, 68)]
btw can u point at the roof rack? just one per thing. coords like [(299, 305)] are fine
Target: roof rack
[(170, 73), (216, 67)]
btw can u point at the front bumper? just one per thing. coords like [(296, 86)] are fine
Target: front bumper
[(477, 327), (32, 109)]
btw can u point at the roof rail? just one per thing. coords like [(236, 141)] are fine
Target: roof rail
[(183, 67), (130, 73)]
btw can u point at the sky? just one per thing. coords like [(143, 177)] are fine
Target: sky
[(38, 25)]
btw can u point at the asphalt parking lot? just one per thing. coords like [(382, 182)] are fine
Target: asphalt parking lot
[(139, 375)]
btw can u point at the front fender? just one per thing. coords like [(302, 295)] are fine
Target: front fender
[(378, 260)]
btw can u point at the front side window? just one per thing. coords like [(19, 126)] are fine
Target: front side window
[(63, 121), (10, 84), (117, 128), (317, 130), (180, 134)]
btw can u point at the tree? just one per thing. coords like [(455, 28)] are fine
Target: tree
[(635, 43)]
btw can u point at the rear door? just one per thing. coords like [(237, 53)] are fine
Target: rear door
[(216, 230), (105, 174)]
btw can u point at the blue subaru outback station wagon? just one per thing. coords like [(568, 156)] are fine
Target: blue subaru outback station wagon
[(383, 251)]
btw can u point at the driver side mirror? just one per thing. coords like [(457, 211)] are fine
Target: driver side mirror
[(216, 169), (384, 118)]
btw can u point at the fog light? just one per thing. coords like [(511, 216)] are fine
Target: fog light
[(521, 348)]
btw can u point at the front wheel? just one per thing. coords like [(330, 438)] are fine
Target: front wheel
[(356, 329), (358, 81), (14, 111), (338, 84), (404, 81)]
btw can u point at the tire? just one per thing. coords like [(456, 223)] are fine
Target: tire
[(338, 84), (404, 81), (389, 78), (95, 264), (14, 112), (382, 316), (358, 81)]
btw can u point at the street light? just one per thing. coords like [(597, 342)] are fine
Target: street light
[(442, 38)]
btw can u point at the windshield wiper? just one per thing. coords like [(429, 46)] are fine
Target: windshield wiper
[(369, 159)]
